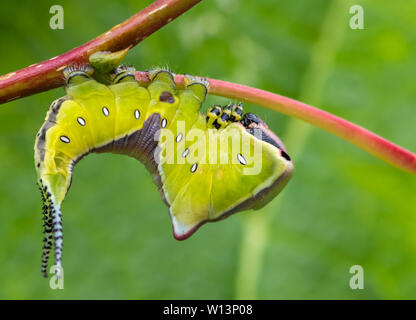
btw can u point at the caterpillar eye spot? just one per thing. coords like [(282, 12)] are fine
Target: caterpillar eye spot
[(65, 139), (179, 137), (164, 123), (166, 96), (106, 112), (137, 114)]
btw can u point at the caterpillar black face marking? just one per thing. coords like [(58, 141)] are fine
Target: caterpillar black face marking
[(117, 115)]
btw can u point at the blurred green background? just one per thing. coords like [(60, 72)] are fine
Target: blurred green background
[(343, 207)]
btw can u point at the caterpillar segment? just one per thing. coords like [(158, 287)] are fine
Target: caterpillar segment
[(212, 115), (219, 117), (163, 128), (236, 112)]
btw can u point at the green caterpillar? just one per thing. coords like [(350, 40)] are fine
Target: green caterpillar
[(201, 176)]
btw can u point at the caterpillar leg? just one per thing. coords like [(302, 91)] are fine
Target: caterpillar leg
[(212, 115), (192, 97), (224, 118), (123, 74), (219, 117), (236, 112), (198, 86), (75, 76), (163, 87)]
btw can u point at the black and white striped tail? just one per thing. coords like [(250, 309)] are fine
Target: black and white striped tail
[(58, 236), (52, 229)]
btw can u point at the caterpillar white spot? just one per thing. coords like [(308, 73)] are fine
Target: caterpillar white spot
[(194, 167), (65, 139), (185, 153), (81, 121), (241, 159)]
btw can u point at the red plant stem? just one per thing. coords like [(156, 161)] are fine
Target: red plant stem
[(362, 138), (48, 74)]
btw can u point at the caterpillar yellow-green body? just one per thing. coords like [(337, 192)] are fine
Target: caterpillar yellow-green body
[(201, 170)]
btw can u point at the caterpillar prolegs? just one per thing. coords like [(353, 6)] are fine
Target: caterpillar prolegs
[(205, 166)]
